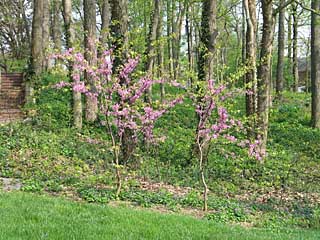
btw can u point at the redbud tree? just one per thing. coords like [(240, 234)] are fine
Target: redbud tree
[(120, 98), (214, 125)]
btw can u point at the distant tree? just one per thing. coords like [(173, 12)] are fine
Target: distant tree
[(69, 33), (281, 48), (264, 71), (151, 42), (315, 63), (56, 25), (251, 52), (89, 10)]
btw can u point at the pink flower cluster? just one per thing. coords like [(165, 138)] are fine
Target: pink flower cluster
[(214, 121), (118, 94)]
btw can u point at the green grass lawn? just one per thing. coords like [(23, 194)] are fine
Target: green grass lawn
[(29, 216)]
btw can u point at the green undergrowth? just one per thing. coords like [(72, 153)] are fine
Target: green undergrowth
[(47, 154)]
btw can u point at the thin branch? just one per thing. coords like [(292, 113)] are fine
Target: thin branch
[(307, 8)]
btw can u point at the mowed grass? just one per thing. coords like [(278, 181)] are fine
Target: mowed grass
[(29, 216)]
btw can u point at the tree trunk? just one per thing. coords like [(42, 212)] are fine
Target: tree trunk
[(45, 33), (56, 25), (176, 39), (251, 52), (190, 45), (169, 38), (119, 28), (160, 57), (104, 6), (89, 9), (295, 70), (207, 38), (36, 48), (151, 41), (205, 72), (281, 45), (264, 70), (69, 33), (315, 64), (289, 44)]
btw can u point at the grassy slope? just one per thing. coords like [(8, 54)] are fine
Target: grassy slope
[(28, 216)]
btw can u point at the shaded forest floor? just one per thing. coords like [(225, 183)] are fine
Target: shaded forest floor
[(47, 155)]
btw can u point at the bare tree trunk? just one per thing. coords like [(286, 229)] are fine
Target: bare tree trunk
[(190, 44), (207, 38), (152, 37), (281, 45), (295, 70), (289, 48), (169, 38), (89, 9), (45, 32), (251, 52), (176, 40), (36, 48), (119, 28), (56, 25), (104, 7), (69, 33), (264, 80), (243, 37), (160, 57), (315, 64)]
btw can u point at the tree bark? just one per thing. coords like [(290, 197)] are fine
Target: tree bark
[(295, 70), (104, 6), (119, 28), (315, 64), (56, 25), (36, 48), (151, 42), (69, 33), (169, 38), (281, 46), (89, 9), (251, 52), (45, 33), (207, 38), (289, 47), (264, 72), (190, 45)]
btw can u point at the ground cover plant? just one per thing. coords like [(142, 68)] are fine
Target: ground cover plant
[(48, 155), (127, 109)]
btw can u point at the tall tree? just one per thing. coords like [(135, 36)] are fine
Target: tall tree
[(69, 33), (295, 70), (281, 46), (151, 41), (119, 29), (105, 13), (56, 25), (264, 71), (36, 48), (208, 37), (169, 37), (315, 63), (251, 52), (206, 66), (289, 46), (45, 32), (89, 10)]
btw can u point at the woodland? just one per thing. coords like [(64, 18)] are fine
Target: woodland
[(196, 119)]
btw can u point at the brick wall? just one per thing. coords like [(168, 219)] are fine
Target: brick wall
[(12, 96)]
